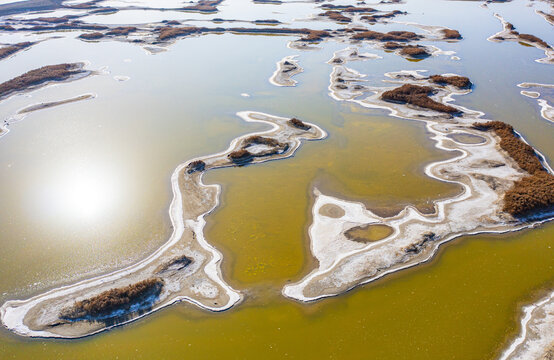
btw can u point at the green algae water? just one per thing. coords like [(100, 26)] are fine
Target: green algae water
[(117, 152)]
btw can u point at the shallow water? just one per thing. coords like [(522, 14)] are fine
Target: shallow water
[(85, 189)]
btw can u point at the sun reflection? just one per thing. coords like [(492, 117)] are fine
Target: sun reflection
[(83, 193)]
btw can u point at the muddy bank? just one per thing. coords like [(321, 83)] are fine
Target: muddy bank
[(483, 169), (509, 33), (185, 268), (42, 76), (286, 69)]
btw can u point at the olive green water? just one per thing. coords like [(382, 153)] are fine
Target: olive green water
[(465, 304)]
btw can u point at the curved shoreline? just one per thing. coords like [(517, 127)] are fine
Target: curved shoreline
[(344, 265), (536, 338), (33, 317), (287, 67), (546, 110)]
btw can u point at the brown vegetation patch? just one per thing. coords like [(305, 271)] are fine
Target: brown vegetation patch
[(12, 49), (91, 36), (376, 17), (390, 36), (336, 16), (261, 140), (533, 39), (111, 300), (167, 33), (35, 77), (195, 166), (241, 156), (298, 124), (392, 45), (451, 34), (122, 30), (417, 95), (204, 6), (460, 82), (415, 51), (533, 193)]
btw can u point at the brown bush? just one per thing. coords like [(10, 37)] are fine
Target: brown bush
[(204, 6), (375, 17), (390, 36), (7, 28), (298, 124), (167, 33), (316, 35), (533, 39), (523, 154), (195, 166), (58, 72), (460, 82), (12, 49), (336, 16), (392, 45), (451, 34), (532, 193), (114, 299), (240, 156), (122, 30), (91, 36), (415, 51), (417, 95), (256, 139)]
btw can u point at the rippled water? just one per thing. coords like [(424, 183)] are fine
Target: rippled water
[(85, 189)]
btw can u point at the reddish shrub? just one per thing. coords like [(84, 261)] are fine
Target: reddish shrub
[(417, 95), (461, 82)]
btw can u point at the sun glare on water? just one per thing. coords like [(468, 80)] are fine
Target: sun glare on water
[(81, 193)]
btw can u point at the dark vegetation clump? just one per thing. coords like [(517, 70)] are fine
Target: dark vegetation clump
[(523, 154), (53, 20), (195, 166), (241, 156), (451, 34), (122, 30), (111, 300), (392, 45), (204, 6), (533, 39), (7, 28), (390, 36), (34, 77), (316, 35), (298, 124), (256, 139), (532, 193), (91, 36), (336, 16), (167, 33), (460, 82), (376, 17), (417, 95), (12, 49), (415, 51)]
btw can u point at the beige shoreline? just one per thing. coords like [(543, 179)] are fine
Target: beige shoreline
[(546, 110), (200, 283), (483, 170), (506, 35), (287, 67)]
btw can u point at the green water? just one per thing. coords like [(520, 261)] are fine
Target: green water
[(465, 304)]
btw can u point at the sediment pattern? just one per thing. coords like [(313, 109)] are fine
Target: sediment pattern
[(197, 280), (484, 171)]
